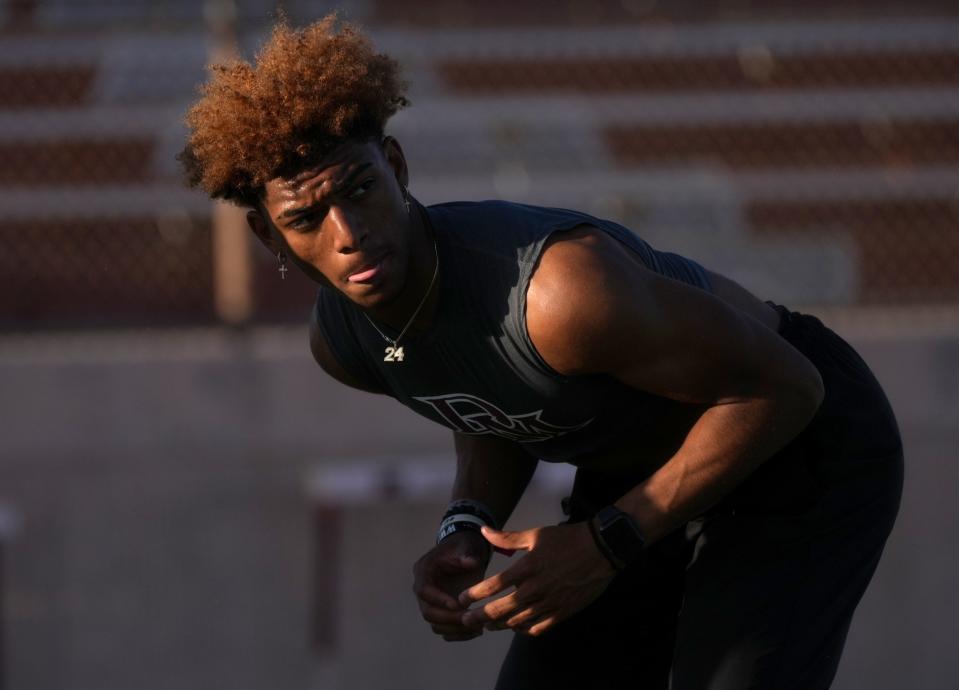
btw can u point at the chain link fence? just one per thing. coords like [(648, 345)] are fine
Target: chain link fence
[(812, 154)]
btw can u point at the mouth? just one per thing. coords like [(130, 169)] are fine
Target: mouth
[(369, 271)]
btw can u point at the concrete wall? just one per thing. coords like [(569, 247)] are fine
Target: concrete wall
[(160, 492)]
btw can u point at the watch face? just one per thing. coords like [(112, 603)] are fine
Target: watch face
[(622, 535)]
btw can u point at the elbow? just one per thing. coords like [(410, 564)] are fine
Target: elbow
[(800, 394), (810, 393), (820, 393)]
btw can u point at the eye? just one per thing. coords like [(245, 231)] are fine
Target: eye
[(303, 222), (361, 189)]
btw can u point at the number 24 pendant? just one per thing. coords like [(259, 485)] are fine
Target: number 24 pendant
[(394, 354)]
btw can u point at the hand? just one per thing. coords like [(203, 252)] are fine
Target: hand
[(458, 561), (562, 572)]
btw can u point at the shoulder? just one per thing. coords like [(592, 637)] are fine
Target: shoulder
[(505, 232), (504, 222), (584, 287), (466, 210)]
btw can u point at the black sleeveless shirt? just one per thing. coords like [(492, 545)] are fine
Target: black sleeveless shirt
[(476, 370)]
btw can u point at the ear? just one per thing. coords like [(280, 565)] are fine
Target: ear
[(397, 160), (260, 228)]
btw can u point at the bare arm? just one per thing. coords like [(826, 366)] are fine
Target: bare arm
[(593, 308), (493, 471), (670, 339)]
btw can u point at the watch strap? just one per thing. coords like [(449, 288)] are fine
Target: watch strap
[(601, 544), (619, 535)]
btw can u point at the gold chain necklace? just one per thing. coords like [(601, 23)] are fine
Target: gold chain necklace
[(394, 353)]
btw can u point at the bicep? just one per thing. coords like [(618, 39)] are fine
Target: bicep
[(684, 343), (595, 308)]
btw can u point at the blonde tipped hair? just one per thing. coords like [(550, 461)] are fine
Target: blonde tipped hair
[(308, 91)]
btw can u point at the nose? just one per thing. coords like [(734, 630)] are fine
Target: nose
[(349, 233)]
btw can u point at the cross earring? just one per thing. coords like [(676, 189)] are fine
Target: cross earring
[(281, 257), (406, 199)]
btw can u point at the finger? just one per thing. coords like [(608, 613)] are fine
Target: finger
[(454, 628), (518, 619), (437, 597), (493, 610), (510, 541), (523, 619), (491, 586), (441, 616), (538, 628), (458, 564)]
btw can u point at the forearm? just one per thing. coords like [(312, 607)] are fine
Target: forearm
[(493, 471), (725, 445)]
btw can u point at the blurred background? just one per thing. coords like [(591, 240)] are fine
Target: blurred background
[(184, 498)]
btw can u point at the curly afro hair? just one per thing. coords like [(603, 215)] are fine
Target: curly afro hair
[(311, 90)]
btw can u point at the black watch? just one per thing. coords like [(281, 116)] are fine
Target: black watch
[(618, 532)]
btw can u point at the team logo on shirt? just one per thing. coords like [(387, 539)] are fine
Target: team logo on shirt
[(471, 415)]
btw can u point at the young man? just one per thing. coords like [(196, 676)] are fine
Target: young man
[(739, 468)]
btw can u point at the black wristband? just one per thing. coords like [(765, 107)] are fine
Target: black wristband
[(464, 514), (602, 546), (458, 522), (465, 506)]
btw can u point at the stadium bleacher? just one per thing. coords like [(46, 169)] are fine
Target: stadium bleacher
[(736, 134)]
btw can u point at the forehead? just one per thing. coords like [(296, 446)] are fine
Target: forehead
[(326, 175)]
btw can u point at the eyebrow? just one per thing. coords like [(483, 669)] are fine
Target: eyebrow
[(346, 182)]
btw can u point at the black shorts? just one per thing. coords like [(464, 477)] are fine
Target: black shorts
[(758, 592)]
